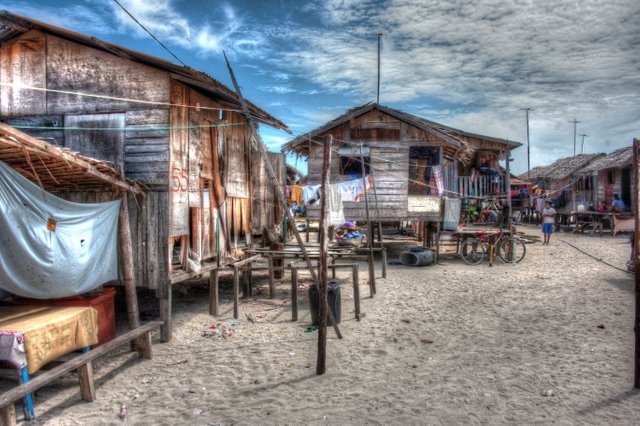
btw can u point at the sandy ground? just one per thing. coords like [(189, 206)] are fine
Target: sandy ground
[(560, 323)]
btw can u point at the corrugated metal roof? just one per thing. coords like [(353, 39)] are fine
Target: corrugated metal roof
[(12, 25)]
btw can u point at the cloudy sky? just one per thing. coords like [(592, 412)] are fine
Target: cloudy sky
[(467, 64)]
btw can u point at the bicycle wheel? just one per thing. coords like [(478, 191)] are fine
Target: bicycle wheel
[(511, 250), (472, 251)]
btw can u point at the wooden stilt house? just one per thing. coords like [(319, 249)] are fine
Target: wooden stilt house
[(606, 176), (400, 151), (172, 128), (560, 181)]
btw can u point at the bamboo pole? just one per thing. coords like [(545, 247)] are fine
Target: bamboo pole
[(372, 273), (321, 366), (272, 174), (128, 277)]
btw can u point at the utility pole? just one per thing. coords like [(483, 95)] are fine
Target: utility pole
[(582, 147), (526, 110), (379, 43), (575, 126)]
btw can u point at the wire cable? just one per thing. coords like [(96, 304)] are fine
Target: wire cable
[(113, 98), (149, 32)]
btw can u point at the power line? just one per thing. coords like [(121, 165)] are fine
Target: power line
[(112, 98), (149, 32)]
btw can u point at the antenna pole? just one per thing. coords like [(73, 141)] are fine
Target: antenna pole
[(582, 147), (575, 125), (379, 42), (526, 110)]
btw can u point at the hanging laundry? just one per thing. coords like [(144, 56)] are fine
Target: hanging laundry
[(336, 211), (354, 189), (296, 194), (311, 195)]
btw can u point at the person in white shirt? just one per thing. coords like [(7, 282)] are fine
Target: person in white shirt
[(548, 219)]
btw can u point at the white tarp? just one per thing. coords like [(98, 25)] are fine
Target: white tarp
[(77, 255)]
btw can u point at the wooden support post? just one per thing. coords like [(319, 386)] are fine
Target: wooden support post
[(145, 346), (236, 292), (126, 251), (246, 284), (166, 331), (321, 366), (356, 290), (214, 301), (274, 180), (294, 294), (87, 386), (437, 256), (636, 260), (272, 284), (372, 273), (8, 415), (333, 270), (384, 262), (307, 230)]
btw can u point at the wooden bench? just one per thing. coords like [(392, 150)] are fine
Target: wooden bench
[(81, 363)]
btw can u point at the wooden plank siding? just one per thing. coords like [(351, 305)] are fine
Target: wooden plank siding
[(76, 68), (146, 152), (23, 62)]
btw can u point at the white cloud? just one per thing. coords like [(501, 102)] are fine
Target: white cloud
[(92, 20), (162, 18), (485, 60)]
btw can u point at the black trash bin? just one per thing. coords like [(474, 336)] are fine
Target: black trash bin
[(333, 288)]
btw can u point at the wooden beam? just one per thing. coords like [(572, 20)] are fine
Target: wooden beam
[(213, 293), (128, 276), (323, 239), (274, 180)]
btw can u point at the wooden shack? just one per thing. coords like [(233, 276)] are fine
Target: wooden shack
[(606, 176), (175, 130), (400, 151), (561, 182)]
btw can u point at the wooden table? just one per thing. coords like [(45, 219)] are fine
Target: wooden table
[(590, 221), (32, 336)]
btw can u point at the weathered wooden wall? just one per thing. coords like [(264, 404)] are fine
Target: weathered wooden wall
[(266, 211), (179, 153)]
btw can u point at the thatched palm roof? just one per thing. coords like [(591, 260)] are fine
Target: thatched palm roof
[(58, 169), (562, 168), (617, 159)]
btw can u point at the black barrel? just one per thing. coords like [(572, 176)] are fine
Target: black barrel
[(333, 288)]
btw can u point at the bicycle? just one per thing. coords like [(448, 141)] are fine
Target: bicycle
[(510, 249)]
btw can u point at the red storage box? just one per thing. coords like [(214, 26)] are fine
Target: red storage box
[(102, 302)]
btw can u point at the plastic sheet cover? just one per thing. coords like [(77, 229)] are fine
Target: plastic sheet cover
[(50, 247)]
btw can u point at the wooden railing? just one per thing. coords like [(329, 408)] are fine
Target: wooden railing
[(480, 185)]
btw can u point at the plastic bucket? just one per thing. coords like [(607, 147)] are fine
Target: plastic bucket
[(415, 257)]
